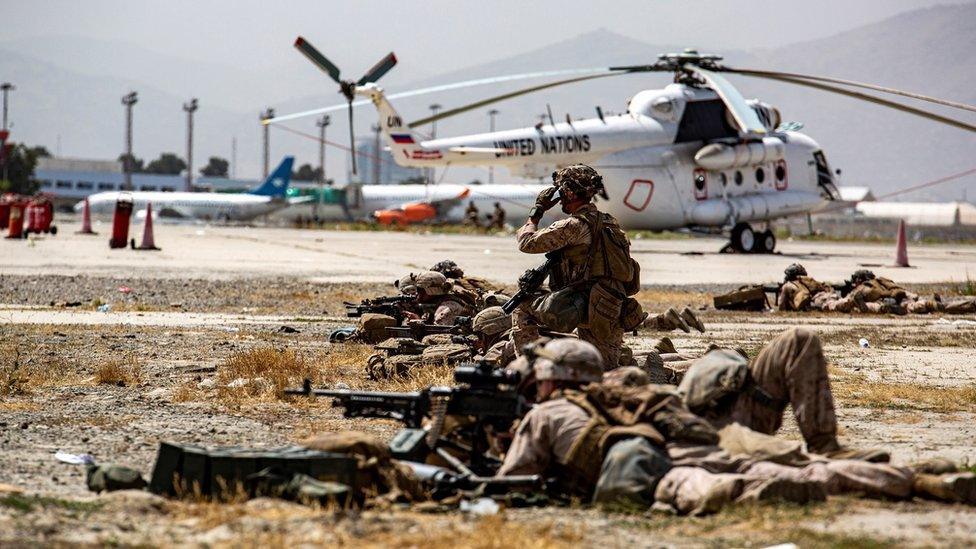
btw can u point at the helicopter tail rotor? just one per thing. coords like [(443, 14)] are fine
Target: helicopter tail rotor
[(346, 87)]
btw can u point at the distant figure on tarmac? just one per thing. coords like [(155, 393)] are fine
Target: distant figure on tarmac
[(471, 215), (497, 217)]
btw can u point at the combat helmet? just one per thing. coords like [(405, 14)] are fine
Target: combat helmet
[(431, 282), (794, 272), (568, 359), (580, 179), (448, 268), (491, 321), (862, 275)]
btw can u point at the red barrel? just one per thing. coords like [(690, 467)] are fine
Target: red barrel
[(40, 215), (15, 225), (120, 222)]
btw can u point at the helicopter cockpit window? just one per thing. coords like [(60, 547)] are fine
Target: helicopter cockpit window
[(703, 121)]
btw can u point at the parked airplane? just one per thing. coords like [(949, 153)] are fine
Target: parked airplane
[(264, 199)]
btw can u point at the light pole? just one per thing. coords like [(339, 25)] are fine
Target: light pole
[(376, 157), (433, 135), (128, 100), (190, 108), (6, 88), (268, 114), (491, 128), (322, 123)]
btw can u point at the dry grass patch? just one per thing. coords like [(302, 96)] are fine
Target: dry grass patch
[(657, 300), (492, 532), (858, 390), (261, 374), (21, 374), (900, 336), (120, 372)]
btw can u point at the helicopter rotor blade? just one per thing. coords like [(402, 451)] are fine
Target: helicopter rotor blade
[(478, 104), (317, 59), (870, 99), (441, 88), (852, 83), (744, 115), (379, 69)]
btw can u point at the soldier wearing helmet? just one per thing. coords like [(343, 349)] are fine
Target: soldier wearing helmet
[(882, 295), (562, 437), (593, 275), (456, 276), (800, 292), (436, 300), (492, 326)]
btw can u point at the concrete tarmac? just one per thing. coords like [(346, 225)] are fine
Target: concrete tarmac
[(198, 251)]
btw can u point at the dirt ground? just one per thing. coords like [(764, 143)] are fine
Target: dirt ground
[(165, 363)]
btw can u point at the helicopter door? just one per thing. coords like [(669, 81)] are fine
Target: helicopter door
[(781, 175), (700, 181), (639, 195)]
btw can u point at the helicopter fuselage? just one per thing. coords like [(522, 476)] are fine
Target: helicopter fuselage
[(674, 160)]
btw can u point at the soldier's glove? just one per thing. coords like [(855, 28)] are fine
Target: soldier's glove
[(546, 199)]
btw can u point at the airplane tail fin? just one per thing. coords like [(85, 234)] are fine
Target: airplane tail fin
[(405, 144), (277, 182)]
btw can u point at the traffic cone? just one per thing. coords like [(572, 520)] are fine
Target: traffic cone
[(86, 227), (147, 231), (901, 248)]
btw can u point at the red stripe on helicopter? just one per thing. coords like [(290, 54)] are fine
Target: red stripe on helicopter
[(426, 155)]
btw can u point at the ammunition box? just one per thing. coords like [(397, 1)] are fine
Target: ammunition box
[(747, 298)]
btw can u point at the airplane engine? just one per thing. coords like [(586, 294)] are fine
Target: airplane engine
[(722, 156)]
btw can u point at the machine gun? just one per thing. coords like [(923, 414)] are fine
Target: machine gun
[(417, 330), (488, 397), (444, 482), (530, 282), (390, 306)]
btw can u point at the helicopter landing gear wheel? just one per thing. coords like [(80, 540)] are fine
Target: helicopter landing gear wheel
[(743, 238), (765, 242)]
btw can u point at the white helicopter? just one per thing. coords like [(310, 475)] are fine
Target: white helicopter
[(694, 155)]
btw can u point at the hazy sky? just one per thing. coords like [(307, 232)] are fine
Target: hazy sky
[(445, 34)]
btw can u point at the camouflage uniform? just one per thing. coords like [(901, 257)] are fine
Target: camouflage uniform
[(572, 232), (791, 369), (882, 295), (443, 303), (805, 293), (498, 217), (493, 329)]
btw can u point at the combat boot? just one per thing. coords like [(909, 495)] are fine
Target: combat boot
[(665, 346), (719, 495), (952, 488), (789, 490), (675, 321), (859, 302), (691, 320)]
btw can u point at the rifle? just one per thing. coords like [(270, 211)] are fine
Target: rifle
[(772, 288), (390, 306), (444, 482), (486, 395), (530, 281), (417, 330), (844, 288)]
